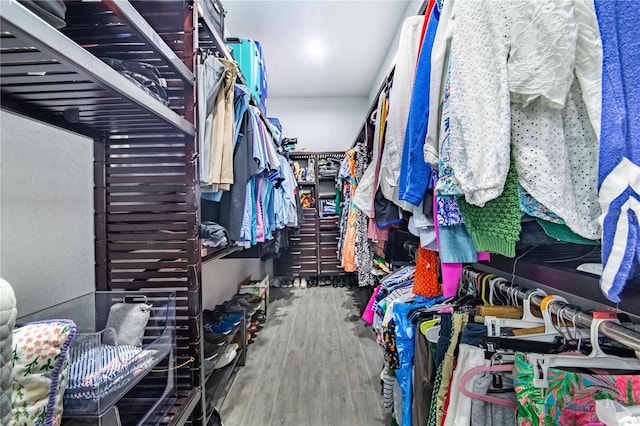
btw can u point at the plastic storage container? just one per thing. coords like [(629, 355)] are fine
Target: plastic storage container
[(135, 385)]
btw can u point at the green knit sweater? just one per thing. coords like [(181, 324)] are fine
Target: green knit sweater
[(496, 226)]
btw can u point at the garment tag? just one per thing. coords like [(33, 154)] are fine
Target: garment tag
[(497, 381)]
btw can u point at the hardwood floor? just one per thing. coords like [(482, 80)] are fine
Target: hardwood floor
[(314, 363)]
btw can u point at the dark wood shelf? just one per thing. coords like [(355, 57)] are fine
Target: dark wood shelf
[(220, 380), (219, 254), (183, 407)]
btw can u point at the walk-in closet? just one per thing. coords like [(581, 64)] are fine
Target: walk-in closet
[(264, 213)]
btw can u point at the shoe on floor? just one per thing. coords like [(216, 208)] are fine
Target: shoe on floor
[(296, 283), (303, 283)]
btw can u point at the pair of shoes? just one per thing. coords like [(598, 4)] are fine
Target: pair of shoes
[(234, 308), (212, 350), (227, 356), (275, 282), (215, 338), (253, 327), (303, 283), (225, 315), (249, 298), (239, 304), (259, 316), (218, 326), (296, 283)]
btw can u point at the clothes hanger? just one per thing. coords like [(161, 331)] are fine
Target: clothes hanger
[(486, 398), (499, 344), (528, 320), (550, 329), (483, 291), (493, 296), (596, 359)]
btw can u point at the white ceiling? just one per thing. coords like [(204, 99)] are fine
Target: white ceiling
[(357, 36)]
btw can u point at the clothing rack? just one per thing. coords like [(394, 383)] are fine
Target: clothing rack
[(571, 313)]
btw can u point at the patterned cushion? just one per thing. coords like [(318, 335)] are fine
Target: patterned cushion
[(40, 367), (7, 322)]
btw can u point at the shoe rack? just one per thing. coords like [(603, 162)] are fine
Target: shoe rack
[(218, 380), (313, 250)]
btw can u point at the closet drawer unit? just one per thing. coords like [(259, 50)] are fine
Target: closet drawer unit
[(303, 252), (330, 267), (305, 265), (329, 237), (309, 214), (308, 228), (330, 224), (303, 239), (328, 252)]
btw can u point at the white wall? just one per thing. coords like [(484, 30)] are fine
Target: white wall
[(320, 124), (220, 278), (46, 213), (412, 9)]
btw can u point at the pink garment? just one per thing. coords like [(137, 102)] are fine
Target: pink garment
[(367, 315), (377, 233), (259, 214), (451, 272)]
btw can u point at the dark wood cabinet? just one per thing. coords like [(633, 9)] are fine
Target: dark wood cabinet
[(314, 250)]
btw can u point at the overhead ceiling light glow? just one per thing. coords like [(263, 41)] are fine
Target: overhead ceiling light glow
[(316, 49)]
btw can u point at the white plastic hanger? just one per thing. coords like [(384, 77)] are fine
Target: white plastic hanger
[(495, 324), (596, 359)]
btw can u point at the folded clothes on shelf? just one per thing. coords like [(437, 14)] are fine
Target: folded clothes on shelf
[(97, 369), (144, 75), (213, 235)]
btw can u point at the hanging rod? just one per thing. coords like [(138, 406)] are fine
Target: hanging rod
[(617, 332)]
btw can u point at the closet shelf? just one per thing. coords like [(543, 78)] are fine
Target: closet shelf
[(184, 406), (46, 75), (125, 11), (213, 255), (219, 380)]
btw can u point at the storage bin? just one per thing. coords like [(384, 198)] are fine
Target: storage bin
[(140, 381)]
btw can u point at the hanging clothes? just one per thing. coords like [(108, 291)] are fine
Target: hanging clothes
[(619, 163), (571, 403), (399, 101), (483, 86), (414, 171), (220, 170), (349, 244), (211, 74)]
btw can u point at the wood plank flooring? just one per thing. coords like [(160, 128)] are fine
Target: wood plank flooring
[(314, 363)]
